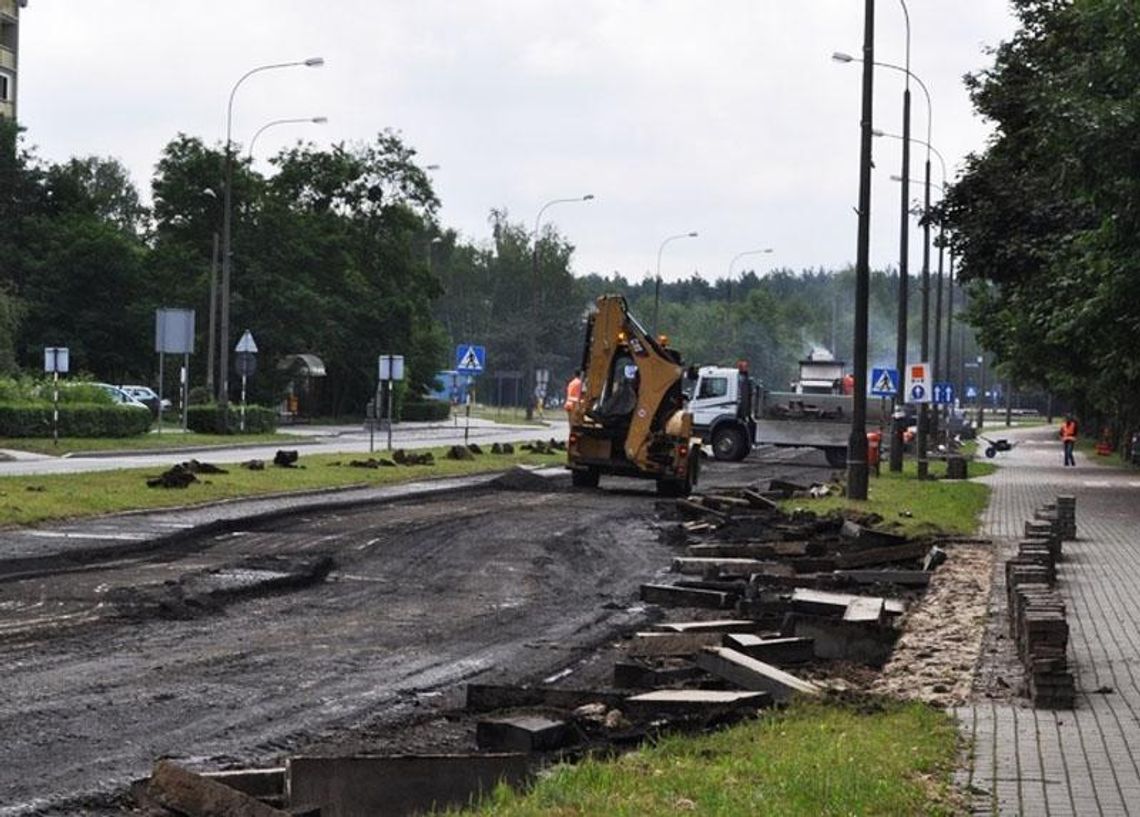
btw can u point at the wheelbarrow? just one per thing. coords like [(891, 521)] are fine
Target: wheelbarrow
[(994, 446)]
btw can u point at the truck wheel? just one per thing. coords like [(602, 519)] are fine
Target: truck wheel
[(682, 487), (729, 444), (836, 457), (585, 478)]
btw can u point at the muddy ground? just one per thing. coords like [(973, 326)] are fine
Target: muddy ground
[(317, 631)]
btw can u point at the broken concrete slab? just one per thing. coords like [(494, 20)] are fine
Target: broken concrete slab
[(522, 733), (777, 651), (197, 796), (866, 643), (656, 645), (865, 610), (934, 558), (736, 550), (752, 674), (491, 697), (374, 786), (903, 578), (825, 602), (910, 551), (264, 784), (704, 565), (870, 537), (694, 702), (721, 625), (668, 595), (636, 675)]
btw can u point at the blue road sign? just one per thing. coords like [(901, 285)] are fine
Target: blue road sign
[(943, 392), (971, 392), (884, 382), (470, 359), (918, 393)]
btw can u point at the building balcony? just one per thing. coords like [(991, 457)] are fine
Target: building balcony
[(7, 59), (7, 110)]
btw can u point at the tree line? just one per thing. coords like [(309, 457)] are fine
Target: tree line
[(339, 252)]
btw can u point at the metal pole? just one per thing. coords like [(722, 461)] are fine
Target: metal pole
[(936, 363), (213, 336), (950, 319), (923, 413), (185, 385), (242, 426), (55, 400), (982, 393), (161, 384), (657, 280), (857, 477), (390, 391), (898, 427), (227, 253)]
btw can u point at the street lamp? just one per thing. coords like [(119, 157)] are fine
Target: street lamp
[(315, 120), (227, 219), (657, 282), (921, 442), (529, 373)]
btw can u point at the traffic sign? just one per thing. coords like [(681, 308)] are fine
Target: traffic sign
[(246, 343), (391, 367), (918, 383), (971, 392), (470, 359), (943, 392), (884, 382)]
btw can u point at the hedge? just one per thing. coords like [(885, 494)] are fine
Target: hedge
[(424, 411), (209, 419), (75, 420)]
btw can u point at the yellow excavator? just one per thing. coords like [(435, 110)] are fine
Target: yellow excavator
[(631, 418)]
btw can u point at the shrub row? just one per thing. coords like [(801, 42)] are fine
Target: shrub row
[(75, 420), (211, 419), (424, 411)]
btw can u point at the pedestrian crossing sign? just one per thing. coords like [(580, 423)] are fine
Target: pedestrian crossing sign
[(884, 382), (470, 359)]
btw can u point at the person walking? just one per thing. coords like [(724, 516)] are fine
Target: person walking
[(573, 392), (1069, 438)]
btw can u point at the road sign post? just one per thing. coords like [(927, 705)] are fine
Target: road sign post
[(246, 351), (470, 360), (56, 359), (174, 335), (391, 368)]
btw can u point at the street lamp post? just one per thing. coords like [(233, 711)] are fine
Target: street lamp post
[(529, 382), (227, 221), (728, 314), (857, 475), (314, 120), (657, 281), (897, 425)]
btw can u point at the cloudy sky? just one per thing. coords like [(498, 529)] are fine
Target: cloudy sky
[(728, 118)]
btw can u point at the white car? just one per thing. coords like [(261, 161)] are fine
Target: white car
[(147, 396), (120, 395)]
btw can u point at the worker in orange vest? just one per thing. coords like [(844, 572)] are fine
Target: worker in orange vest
[(574, 391), (1069, 438)]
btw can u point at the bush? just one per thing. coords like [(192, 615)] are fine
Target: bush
[(424, 411), (210, 419), (75, 420)]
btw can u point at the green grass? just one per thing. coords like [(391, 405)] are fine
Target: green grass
[(914, 506), (511, 415), (811, 759), (29, 499), (144, 442)]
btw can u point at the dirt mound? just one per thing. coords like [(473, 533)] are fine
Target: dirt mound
[(521, 478)]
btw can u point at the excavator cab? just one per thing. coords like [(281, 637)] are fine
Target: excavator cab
[(631, 419)]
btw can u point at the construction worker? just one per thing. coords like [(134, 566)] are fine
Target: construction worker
[(1069, 438), (574, 391)]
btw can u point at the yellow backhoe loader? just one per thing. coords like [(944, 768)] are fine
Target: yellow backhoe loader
[(631, 419)]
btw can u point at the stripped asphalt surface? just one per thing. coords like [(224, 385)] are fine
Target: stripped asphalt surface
[(247, 644)]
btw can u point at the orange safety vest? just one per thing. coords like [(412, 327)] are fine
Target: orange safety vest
[(573, 393), (1069, 431)]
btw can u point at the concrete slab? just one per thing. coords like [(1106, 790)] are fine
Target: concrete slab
[(694, 702), (522, 733), (669, 595), (491, 697), (749, 673), (866, 643), (701, 566), (721, 625), (865, 610), (777, 651), (196, 796), (650, 645), (394, 786)]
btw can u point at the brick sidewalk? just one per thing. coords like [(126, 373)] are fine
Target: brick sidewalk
[(1087, 761)]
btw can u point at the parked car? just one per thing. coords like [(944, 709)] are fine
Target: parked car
[(147, 396), (120, 395)]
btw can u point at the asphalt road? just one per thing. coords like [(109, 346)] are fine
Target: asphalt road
[(199, 652)]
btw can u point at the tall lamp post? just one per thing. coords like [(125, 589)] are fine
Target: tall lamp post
[(227, 221), (857, 475), (529, 372), (313, 120), (728, 316), (657, 280)]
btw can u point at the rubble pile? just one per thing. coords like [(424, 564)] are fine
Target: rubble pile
[(1036, 609)]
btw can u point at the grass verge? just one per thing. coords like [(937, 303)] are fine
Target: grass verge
[(29, 499), (143, 442), (810, 759), (916, 507)]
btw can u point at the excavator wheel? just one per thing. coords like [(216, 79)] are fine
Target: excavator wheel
[(682, 487), (587, 478), (730, 443)]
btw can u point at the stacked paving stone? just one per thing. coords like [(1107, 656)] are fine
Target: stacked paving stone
[(1037, 611)]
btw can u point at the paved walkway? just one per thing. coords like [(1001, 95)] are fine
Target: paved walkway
[(1087, 761)]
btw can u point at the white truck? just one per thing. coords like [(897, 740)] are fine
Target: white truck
[(733, 413)]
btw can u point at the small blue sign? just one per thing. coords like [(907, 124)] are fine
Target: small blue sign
[(971, 392), (470, 359), (884, 382), (918, 393), (943, 392)]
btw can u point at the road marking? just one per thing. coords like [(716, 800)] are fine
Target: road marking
[(59, 534), (1097, 483)]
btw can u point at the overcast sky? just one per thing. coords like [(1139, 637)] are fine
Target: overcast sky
[(728, 117)]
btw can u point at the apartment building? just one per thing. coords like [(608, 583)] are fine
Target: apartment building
[(9, 54)]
